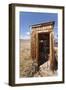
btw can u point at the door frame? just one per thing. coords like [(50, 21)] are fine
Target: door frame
[(51, 46)]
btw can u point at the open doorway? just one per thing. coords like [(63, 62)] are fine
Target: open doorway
[(43, 47)]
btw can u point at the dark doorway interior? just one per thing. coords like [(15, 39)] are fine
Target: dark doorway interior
[(43, 48)]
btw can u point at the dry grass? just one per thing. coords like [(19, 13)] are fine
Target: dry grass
[(27, 66)]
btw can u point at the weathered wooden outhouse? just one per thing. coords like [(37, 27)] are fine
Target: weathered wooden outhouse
[(42, 43)]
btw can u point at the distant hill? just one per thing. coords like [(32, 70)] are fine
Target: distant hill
[(25, 40)]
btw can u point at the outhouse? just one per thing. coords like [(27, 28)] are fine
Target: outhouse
[(42, 43)]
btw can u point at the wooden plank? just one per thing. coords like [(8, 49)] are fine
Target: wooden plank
[(52, 51), (33, 45)]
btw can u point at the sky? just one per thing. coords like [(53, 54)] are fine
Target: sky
[(29, 18)]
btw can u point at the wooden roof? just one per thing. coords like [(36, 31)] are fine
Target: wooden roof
[(43, 24)]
